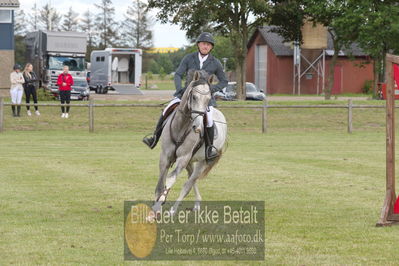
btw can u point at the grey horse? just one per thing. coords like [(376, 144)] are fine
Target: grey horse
[(182, 142)]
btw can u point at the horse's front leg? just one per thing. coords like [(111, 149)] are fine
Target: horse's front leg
[(164, 163), (190, 183), (181, 164)]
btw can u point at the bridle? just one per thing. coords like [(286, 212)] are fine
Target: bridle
[(191, 111), (190, 99)]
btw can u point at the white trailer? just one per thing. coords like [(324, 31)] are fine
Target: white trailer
[(116, 69)]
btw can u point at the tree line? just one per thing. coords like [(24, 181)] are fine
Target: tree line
[(104, 30), (372, 24), (99, 22)]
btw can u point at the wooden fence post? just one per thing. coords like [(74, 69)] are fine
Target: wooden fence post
[(264, 117), (350, 116), (387, 216), (91, 115), (1, 114)]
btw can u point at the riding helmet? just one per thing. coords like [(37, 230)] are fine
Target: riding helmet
[(206, 37), (17, 66)]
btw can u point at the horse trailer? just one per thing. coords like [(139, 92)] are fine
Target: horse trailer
[(117, 69)]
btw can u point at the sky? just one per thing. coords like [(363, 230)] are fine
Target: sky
[(164, 35)]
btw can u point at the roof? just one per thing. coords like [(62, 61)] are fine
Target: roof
[(9, 3), (281, 48)]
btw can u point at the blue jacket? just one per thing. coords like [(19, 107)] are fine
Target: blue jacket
[(211, 65)]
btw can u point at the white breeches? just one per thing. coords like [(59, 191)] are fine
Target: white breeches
[(209, 113), (16, 95)]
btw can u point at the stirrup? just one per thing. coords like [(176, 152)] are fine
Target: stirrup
[(146, 141), (208, 153)]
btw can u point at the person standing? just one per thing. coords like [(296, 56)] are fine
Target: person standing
[(64, 82), (201, 60), (16, 90), (30, 88)]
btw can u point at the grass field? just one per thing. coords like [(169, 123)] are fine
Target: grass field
[(62, 188)]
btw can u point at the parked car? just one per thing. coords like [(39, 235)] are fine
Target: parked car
[(80, 91), (229, 93)]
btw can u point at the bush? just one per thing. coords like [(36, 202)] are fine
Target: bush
[(162, 73), (149, 75), (367, 87), (44, 95)]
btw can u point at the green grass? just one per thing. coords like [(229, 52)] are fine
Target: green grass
[(62, 188)]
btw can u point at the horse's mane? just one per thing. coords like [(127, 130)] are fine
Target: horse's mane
[(202, 80)]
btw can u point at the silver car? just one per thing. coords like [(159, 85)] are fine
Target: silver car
[(229, 93)]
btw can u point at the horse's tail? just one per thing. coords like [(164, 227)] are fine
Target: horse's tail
[(210, 165)]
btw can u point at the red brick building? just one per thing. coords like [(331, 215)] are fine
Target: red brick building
[(270, 66)]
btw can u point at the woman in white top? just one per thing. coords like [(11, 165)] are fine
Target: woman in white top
[(16, 90)]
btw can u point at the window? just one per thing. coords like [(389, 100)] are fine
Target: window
[(97, 59), (102, 58), (5, 16), (58, 62)]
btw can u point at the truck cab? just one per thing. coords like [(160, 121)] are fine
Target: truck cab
[(76, 65), (49, 51), (117, 69)]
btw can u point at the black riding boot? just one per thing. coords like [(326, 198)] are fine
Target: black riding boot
[(210, 150), (18, 110), (153, 140), (13, 111)]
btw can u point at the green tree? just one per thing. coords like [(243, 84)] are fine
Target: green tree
[(338, 16), (70, 22), (289, 16), (33, 19), (20, 25), (154, 67), (176, 57), (224, 49), (87, 25), (49, 18), (342, 24), (166, 63), (235, 18), (379, 33), (137, 25), (20, 30), (105, 24)]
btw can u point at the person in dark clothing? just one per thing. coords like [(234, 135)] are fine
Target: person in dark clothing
[(30, 88), (201, 60), (64, 82)]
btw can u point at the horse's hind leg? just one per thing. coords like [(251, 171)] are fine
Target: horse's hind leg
[(197, 194), (198, 198)]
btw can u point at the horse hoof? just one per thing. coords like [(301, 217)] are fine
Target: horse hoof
[(151, 217)]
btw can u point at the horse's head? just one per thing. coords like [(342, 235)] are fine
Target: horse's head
[(197, 97)]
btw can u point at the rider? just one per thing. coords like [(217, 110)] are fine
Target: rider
[(204, 60)]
